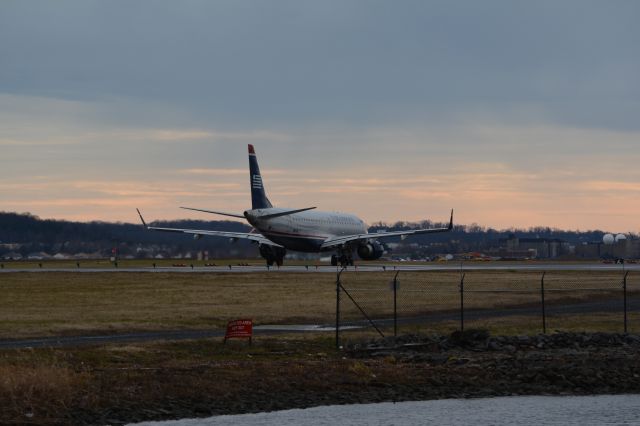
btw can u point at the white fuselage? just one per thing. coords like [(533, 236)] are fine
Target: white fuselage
[(304, 231)]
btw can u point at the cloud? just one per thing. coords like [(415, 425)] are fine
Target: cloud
[(156, 135), (36, 143), (492, 194), (178, 135), (515, 114), (214, 172), (540, 186), (227, 172), (610, 186), (337, 62)]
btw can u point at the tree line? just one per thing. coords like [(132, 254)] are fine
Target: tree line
[(25, 233)]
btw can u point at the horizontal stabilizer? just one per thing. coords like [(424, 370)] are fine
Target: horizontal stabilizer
[(285, 213), (211, 211)]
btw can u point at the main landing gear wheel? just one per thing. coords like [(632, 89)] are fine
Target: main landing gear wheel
[(273, 255), (343, 260)]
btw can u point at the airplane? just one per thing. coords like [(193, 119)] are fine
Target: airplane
[(277, 230)]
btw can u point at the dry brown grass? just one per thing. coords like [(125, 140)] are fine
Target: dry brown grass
[(55, 386), (31, 392), (437, 291), (76, 385), (54, 303), (72, 303)]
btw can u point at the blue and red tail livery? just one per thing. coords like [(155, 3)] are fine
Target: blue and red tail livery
[(259, 198)]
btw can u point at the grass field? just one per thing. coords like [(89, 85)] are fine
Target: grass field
[(69, 303), (118, 383), (65, 303)]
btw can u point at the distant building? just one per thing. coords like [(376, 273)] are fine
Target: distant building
[(11, 246), (589, 250), (40, 255), (12, 256), (538, 248), (622, 249)]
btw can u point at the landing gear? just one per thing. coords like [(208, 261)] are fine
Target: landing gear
[(272, 254), (344, 258)]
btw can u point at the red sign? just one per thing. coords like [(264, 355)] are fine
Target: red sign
[(239, 329)]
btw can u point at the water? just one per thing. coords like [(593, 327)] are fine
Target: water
[(525, 410)]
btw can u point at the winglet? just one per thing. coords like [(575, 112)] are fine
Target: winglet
[(251, 150), (450, 227), (142, 219)]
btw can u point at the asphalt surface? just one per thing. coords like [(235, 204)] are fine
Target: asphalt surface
[(449, 266), (65, 341)]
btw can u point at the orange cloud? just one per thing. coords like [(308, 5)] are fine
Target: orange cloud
[(488, 188)]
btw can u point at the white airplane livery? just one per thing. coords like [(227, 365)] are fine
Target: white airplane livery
[(277, 230)]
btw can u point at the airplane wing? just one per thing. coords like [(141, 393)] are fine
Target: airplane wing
[(251, 236), (341, 240)]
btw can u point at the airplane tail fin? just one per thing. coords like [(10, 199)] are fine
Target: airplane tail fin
[(259, 198)]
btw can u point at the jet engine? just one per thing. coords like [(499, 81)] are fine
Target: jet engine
[(197, 236), (371, 250)]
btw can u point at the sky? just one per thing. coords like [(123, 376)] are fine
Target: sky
[(514, 113)]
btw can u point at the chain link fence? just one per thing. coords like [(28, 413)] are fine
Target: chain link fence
[(508, 302)]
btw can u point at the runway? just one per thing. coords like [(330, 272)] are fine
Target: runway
[(449, 266)]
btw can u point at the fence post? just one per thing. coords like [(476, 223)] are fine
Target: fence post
[(395, 305), (462, 303), (338, 309), (624, 290), (544, 311)]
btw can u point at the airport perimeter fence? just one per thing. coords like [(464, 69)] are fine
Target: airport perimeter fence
[(374, 305)]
